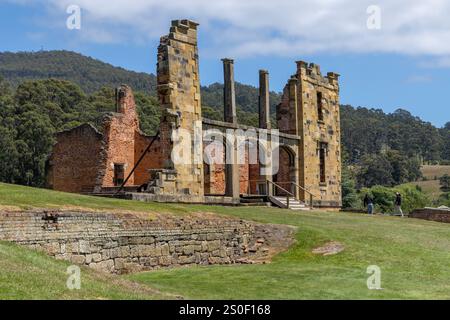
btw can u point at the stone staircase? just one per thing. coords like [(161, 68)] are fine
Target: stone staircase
[(294, 204), (255, 201)]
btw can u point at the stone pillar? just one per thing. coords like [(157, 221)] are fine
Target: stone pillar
[(229, 95), (264, 104), (232, 187), (181, 118), (269, 177)]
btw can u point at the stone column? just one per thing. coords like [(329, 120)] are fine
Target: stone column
[(232, 182), (229, 95), (269, 177), (180, 100), (264, 104)]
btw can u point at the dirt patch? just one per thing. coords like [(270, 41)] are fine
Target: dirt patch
[(271, 239), (10, 208), (329, 248)]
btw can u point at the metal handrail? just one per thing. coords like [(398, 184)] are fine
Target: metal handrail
[(288, 193), (268, 182), (304, 189), (311, 195)]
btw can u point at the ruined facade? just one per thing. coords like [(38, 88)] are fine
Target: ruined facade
[(298, 159), (310, 109), (85, 160)]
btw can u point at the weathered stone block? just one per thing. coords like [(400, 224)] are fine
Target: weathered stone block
[(213, 245), (186, 259), (96, 257), (78, 259), (188, 250), (84, 246)]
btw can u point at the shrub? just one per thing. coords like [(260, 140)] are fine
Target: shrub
[(444, 199), (383, 197), (444, 181)]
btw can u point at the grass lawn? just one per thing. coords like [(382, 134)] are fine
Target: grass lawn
[(431, 188), (26, 274), (414, 257), (20, 197), (433, 172)]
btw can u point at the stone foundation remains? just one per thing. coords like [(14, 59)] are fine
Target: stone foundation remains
[(128, 243), (431, 214)]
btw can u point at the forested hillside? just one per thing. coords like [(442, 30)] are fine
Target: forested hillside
[(45, 92), (90, 74)]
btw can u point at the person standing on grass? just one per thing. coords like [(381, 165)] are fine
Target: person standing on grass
[(368, 201), (398, 203)]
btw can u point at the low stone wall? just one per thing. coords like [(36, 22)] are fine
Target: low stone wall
[(167, 198), (431, 214), (128, 243)]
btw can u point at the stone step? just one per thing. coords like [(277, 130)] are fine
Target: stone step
[(293, 204)]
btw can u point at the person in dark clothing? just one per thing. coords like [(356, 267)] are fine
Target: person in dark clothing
[(368, 201), (398, 204)]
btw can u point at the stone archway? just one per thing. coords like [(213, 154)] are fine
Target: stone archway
[(214, 168), (286, 175)]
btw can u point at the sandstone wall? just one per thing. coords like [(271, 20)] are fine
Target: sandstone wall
[(431, 214), (315, 131), (127, 243), (299, 114), (180, 100)]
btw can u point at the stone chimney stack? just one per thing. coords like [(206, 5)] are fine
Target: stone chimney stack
[(264, 103), (229, 95)]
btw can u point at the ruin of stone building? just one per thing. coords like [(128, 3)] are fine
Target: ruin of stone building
[(297, 162)]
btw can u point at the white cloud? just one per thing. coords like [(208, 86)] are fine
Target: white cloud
[(276, 27)]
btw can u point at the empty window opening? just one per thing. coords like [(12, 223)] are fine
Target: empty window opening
[(322, 158), (119, 174), (319, 106)]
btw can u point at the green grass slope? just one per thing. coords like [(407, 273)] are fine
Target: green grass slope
[(431, 185), (413, 255), (26, 274), (20, 197)]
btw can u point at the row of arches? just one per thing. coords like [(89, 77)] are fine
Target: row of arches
[(253, 169)]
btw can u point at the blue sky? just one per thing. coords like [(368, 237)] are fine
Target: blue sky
[(403, 64)]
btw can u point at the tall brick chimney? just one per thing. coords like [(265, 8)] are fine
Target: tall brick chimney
[(125, 99)]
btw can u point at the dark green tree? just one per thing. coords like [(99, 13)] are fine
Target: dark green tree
[(444, 181), (375, 170)]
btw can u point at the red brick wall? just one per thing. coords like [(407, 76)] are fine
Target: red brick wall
[(119, 135), (83, 158), (244, 174), (214, 174), (254, 177), (283, 177), (152, 160), (75, 158)]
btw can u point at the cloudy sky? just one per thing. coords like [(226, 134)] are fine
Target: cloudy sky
[(391, 53)]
